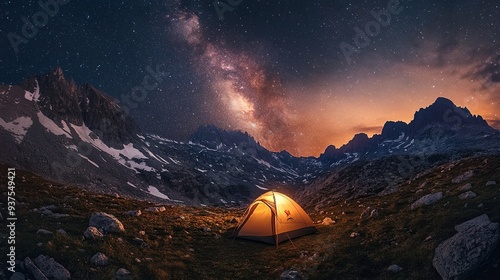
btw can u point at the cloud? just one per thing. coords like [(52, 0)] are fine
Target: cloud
[(367, 129)]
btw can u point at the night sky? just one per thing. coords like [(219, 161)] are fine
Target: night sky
[(297, 75)]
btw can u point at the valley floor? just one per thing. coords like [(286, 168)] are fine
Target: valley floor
[(195, 242)]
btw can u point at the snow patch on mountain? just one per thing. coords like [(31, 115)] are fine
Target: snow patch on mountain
[(51, 126), (128, 151), (18, 127), (154, 191), (262, 188)]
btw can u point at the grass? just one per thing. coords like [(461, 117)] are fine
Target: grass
[(178, 247)]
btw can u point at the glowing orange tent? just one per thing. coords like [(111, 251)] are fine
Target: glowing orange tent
[(273, 218)]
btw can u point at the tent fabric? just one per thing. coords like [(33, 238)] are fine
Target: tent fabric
[(273, 218)]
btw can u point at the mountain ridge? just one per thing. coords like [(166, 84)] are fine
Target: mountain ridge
[(79, 134)]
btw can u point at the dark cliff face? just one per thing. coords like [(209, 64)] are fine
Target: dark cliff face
[(392, 130), (62, 99), (443, 112)]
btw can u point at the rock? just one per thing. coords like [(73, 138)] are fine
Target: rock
[(290, 274), (156, 209), (99, 259), (61, 232), (59, 215), (123, 274), (466, 176), (480, 205), (47, 212), (34, 270), (48, 207), (491, 183), (93, 233), (141, 232), (233, 221), (51, 268), (135, 213), (207, 229), (427, 200), (137, 260), (106, 222), (44, 232), (354, 234), (467, 195), (1, 217), (461, 255), (17, 276), (394, 268), (140, 242), (476, 222), (465, 187), (327, 221)]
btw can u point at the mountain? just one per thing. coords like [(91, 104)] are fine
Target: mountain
[(77, 134), (442, 127)]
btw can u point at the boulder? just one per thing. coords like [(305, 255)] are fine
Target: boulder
[(460, 178), (427, 200), (93, 233), (491, 183), (394, 268), (106, 222), (461, 255), (99, 259), (52, 269), (467, 195), (34, 270), (44, 232), (354, 234), (156, 209), (135, 213), (290, 274), (123, 274), (476, 222), (465, 187)]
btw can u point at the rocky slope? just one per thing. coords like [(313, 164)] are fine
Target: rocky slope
[(78, 134), (403, 235)]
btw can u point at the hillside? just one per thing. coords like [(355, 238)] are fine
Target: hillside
[(194, 242)]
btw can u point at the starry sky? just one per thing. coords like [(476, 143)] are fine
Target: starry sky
[(297, 75)]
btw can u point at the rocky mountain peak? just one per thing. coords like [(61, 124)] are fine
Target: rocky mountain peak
[(392, 130), (445, 113), (63, 100)]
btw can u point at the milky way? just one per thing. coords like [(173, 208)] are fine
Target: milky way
[(252, 99), (272, 68)]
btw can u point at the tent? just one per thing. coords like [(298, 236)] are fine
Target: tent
[(273, 218)]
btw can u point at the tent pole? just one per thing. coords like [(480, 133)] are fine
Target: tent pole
[(275, 220)]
